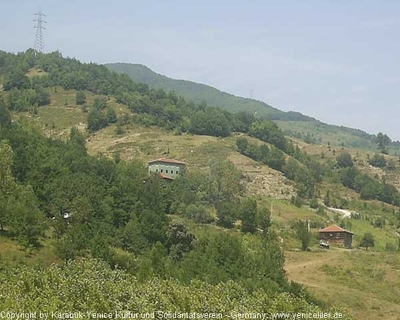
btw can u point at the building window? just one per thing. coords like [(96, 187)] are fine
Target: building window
[(166, 171), (177, 172), (156, 170), (161, 170)]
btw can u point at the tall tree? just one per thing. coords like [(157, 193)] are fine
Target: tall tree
[(27, 222), (367, 241), (5, 117), (7, 183), (383, 142), (264, 221), (301, 229), (248, 215), (179, 239)]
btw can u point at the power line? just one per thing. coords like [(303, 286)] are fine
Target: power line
[(39, 42)]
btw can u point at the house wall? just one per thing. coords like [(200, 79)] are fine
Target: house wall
[(170, 169), (337, 237)]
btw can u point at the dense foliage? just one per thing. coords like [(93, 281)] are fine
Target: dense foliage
[(153, 106), (92, 206), (91, 287), (156, 107)]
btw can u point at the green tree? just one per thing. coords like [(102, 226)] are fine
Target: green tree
[(77, 138), (100, 248), (225, 181), (43, 96), (248, 215), (179, 239), (242, 143), (226, 213), (276, 159), (370, 190), (344, 160), (269, 131), (377, 160), (153, 225), (65, 249), (80, 98), (111, 115), (5, 116), (264, 220), (100, 103), (7, 183), (96, 120), (26, 222), (367, 241), (301, 229), (348, 177), (132, 238), (17, 80), (291, 168), (383, 142), (198, 213)]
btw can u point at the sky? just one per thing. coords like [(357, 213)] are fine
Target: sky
[(334, 60)]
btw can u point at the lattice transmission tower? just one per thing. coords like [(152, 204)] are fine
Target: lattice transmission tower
[(39, 42)]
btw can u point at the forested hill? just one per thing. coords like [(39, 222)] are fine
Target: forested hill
[(202, 235), (292, 123), (198, 93), (53, 194)]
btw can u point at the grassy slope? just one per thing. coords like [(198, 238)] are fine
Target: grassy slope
[(322, 270), (320, 132), (367, 283)]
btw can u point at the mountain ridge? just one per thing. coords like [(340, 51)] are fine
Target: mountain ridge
[(293, 123), (199, 92)]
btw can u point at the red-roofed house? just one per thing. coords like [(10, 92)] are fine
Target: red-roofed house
[(336, 234), (167, 168)]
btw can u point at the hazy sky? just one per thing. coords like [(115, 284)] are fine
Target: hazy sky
[(337, 61)]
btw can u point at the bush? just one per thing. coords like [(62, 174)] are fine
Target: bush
[(296, 201), (80, 98), (320, 210), (314, 203), (119, 130), (344, 160), (198, 214), (377, 161)]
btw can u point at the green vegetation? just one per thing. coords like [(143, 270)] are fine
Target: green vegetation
[(303, 234), (293, 124), (91, 287), (377, 161), (92, 206), (367, 241), (80, 98), (112, 210), (195, 92), (219, 225), (383, 142)]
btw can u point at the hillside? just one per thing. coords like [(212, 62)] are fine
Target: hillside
[(75, 141), (292, 123), (199, 93)]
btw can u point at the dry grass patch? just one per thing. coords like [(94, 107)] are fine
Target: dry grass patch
[(366, 283)]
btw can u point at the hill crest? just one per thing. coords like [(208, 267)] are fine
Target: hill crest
[(198, 93)]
